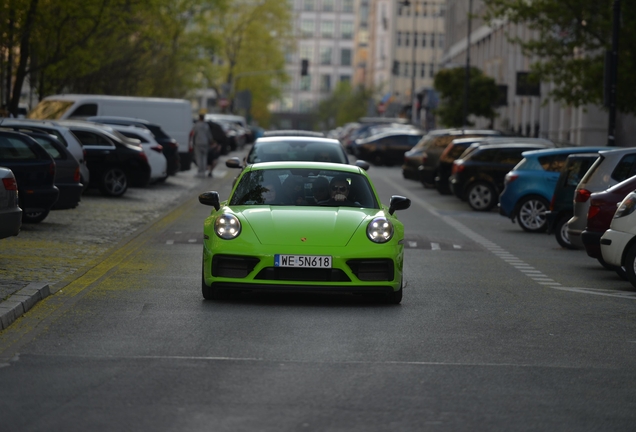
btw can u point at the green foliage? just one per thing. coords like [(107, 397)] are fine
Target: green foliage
[(570, 40), (450, 83), (344, 105)]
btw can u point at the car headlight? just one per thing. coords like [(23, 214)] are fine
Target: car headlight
[(627, 206), (380, 230), (227, 226)]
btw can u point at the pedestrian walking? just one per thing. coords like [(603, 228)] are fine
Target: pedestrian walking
[(201, 140)]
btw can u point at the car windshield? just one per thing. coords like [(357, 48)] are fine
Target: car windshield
[(290, 150), (304, 187)]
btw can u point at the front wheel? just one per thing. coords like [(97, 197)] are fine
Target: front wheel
[(481, 196), (630, 264), (114, 182), (531, 215), (561, 233)]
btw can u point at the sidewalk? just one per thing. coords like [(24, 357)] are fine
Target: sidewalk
[(45, 254)]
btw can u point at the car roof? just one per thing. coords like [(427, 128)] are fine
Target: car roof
[(118, 118), (560, 150), (509, 145), (298, 139), (292, 132), (617, 151), (316, 165)]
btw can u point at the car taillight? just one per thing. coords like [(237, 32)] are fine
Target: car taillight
[(510, 178), (457, 167), (552, 202), (424, 157), (157, 148), (582, 195), (593, 211), (10, 184), (52, 169), (143, 156), (76, 175)]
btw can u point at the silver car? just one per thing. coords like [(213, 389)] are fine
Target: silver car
[(611, 167), (10, 211)]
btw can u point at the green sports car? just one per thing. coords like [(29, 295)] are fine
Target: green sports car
[(303, 226)]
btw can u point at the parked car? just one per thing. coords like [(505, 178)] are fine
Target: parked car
[(63, 135), (435, 145), (529, 186), (618, 245), (114, 161), (387, 148), (67, 171), (603, 205), (154, 150), (612, 166), (10, 211), (34, 171), (561, 205), (479, 177), (349, 242), (293, 132), (169, 145)]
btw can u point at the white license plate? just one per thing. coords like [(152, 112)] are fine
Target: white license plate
[(302, 261)]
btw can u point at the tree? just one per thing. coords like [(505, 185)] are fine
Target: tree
[(345, 104), (254, 37), (450, 85), (569, 44)]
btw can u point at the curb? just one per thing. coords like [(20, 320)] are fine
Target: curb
[(21, 301)]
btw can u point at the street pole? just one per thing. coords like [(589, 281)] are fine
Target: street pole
[(613, 70), (467, 78), (413, 69)]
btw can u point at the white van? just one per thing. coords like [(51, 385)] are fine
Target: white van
[(174, 115)]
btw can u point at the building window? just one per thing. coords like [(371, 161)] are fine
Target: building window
[(431, 70), (423, 40), (326, 28), (440, 40), (399, 39), (407, 38), (307, 28), (327, 5), (307, 52), (432, 40), (325, 83), (305, 105), (424, 8), (325, 55), (345, 57), (406, 68), (346, 30), (415, 36), (345, 78), (308, 5), (305, 83), (347, 5), (416, 11), (423, 70)]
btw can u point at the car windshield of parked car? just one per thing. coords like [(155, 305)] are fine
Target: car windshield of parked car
[(304, 187), (285, 150)]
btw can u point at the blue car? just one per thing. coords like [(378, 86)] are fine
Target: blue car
[(529, 186)]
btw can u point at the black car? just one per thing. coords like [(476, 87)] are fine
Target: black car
[(113, 160), (387, 148), (435, 144), (169, 145), (34, 171), (67, 171), (220, 137), (562, 205), (479, 177)]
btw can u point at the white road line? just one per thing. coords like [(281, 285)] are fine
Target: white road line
[(412, 244), (169, 242), (192, 241), (501, 253), (457, 246), (435, 246)]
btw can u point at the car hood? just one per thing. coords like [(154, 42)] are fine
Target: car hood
[(318, 226)]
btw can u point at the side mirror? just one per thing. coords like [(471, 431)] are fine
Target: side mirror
[(210, 198), (398, 203), (233, 162), (362, 164)]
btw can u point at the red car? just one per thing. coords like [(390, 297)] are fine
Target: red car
[(599, 216)]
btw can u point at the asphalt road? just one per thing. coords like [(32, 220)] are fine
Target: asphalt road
[(498, 330)]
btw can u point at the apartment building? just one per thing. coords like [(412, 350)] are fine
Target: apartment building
[(407, 40), (526, 110), (325, 32)]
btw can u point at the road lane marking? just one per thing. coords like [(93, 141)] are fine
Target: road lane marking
[(498, 251), (435, 246)]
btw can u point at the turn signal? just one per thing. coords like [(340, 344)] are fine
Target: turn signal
[(10, 184)]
